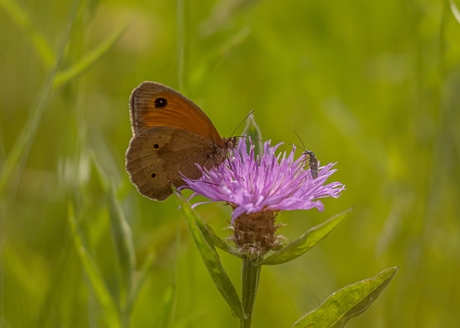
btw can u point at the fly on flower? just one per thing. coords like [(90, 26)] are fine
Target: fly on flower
[(258, 187), (311, 160)]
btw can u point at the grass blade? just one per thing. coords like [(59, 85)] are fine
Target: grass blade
[(94, 276), (18, 155), (139, 283), (455, 10), (167, 306), (124, 246), (89, 59)]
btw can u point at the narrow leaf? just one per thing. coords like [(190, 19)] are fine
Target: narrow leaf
[(124, 244), (306, 241), (252, 130), (94, 276), (18, 155), (218, 241), (455, 10), (347, 302), (203, 241), (122, 236), (140, 281), (88, 60), (167, 304)]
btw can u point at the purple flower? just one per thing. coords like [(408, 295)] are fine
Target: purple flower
[(268, 182)]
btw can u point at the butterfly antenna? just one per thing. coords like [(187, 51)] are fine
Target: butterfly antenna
[(252, 111)]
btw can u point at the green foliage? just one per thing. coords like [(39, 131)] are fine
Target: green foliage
[(252, 130), (305, 242), (95, 278), (372, 86), (347, 302), (205, 244)]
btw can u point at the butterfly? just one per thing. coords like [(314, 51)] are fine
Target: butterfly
[(170, 136)]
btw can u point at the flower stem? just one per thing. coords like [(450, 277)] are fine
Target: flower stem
[(250, 283)]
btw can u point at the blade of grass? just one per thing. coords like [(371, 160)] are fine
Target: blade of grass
[(139, 283), (123, 243), (181, 43), (455, 10), (167, 307), (89, 59), (98, 285), (16, 158), (122, 236), (23, 21)]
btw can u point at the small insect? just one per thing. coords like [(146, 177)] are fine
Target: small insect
[(312, 163), (310, 159)]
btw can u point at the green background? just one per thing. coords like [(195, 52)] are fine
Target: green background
[(371, 85)]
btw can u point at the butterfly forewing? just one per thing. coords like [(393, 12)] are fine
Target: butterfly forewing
[(154, 104)]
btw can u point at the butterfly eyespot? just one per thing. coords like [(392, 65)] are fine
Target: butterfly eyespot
[(160, 103), (156, 146), (153, 175)]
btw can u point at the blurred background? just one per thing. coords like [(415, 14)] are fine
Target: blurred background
[(371, 85)]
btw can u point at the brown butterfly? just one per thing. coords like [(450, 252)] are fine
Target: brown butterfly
[(170, 136)]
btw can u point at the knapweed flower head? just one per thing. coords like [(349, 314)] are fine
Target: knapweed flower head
[(268, 182), (258, 187)]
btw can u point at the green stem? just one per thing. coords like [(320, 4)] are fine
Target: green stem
[(250, 283)]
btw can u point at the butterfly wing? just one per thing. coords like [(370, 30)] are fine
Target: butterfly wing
[(155, 158), (154, 104)]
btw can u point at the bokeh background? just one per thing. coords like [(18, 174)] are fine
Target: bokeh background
[(371, 85)]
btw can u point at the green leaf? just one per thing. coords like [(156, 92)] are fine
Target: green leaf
[(95, 278), (306, 241), (252, 130), (140, 281), (219, 242), (16, 159), (347, 302), (166, 306), (455, 10), (89, 59), (124, 246), (122, 238), (205, 244)]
